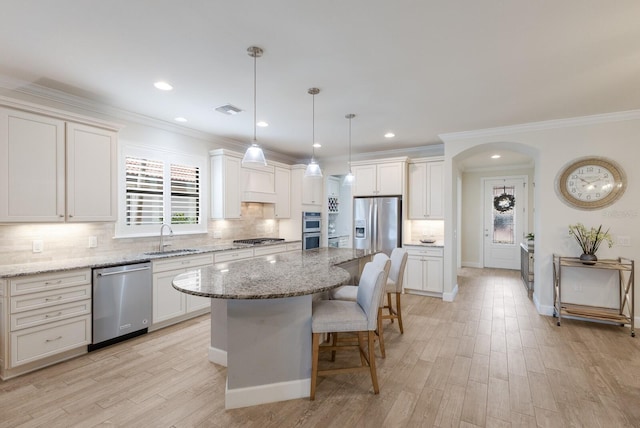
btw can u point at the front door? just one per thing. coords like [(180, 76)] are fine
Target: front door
[(505, 202)]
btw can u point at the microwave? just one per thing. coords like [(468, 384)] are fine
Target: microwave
[(311, 222)]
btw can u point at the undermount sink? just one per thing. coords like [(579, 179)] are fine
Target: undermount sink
[(170, 252)]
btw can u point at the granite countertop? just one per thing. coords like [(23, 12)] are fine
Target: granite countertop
[(270, 277), (437, 243), (14, 270)]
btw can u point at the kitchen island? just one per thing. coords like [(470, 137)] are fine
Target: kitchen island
[(261, 318)]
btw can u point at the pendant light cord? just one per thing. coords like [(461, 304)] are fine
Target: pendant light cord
[(350, 144), (254, 98), (313, 127)]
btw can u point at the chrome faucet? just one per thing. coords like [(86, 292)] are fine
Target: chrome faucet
[(162, 244)]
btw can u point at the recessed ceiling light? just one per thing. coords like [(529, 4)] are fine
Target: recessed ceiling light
[(389, 135), (317, 145), (163, 86), (495, 157), (180, 119), (262, 124)]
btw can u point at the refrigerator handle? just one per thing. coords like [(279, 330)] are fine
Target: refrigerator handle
[(374, 226)]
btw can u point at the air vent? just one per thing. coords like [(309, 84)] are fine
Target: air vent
[(228, 109)]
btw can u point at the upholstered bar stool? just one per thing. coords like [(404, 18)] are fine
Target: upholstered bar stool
[(360, 317), (394, 285), (350, 292)]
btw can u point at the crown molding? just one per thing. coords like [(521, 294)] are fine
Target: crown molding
[(529, 165), (427, 150), (541, 126)]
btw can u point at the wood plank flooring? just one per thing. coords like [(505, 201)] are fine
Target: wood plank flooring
[(486, 360)]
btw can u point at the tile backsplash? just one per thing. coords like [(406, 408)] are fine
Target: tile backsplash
[(71, 240), (427, 229)]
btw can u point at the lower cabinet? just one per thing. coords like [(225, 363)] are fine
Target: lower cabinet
[(44, 319), (170, 305), (424, 271)]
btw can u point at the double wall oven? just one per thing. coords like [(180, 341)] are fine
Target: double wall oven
[(311, 226)]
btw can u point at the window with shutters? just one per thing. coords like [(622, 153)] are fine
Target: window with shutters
[(160, 189)]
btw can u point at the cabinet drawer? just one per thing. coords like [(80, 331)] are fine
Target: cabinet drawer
[(47, 299), (35, 283), (182, 262), (294, 246), (425, 251), (39, 342), (229, 256), (272, 249), (48, 315)]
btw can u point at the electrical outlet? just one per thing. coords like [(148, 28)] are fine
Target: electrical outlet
[(37, 245), (623, 241), (93, 241)]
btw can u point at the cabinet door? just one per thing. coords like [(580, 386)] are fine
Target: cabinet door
[(32, 162), (311, 191), (433, 274), (225, 187), (283, 193), (167, 301), (390, 178), (365, 180), (435, 190), (91, 174), (414, 278), (417, 191), (196, 303), (333, 187)]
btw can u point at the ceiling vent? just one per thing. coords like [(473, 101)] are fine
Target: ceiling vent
[(228, 109)]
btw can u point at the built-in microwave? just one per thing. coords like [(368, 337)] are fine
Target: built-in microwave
[(311, 222)]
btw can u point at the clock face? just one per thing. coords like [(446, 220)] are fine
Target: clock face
[(590, 183)]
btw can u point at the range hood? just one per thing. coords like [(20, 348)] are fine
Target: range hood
[(261, 197)]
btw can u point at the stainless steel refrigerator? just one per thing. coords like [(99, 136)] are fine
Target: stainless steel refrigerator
[(377, 223)]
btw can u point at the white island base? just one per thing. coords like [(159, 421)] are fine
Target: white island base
[(265, 345)]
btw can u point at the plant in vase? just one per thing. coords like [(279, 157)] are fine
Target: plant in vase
[(589, 241)]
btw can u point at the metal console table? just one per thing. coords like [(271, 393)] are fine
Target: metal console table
[(622, 315)]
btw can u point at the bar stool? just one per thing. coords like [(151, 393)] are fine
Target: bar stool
[(350, 292), (361, 317), (394, 285)]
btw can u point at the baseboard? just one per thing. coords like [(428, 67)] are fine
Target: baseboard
[(471, 264), (450, 296), (262, 394), (218, 356)]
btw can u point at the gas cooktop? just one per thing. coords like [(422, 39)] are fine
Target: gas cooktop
[(258, 241)]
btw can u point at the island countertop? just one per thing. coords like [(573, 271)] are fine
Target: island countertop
[(271, 277)]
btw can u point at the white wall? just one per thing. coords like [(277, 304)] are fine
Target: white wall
[(552, 145)]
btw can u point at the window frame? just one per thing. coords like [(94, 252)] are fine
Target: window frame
[(122, 230)]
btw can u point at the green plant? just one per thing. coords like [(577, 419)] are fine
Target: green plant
[(530, 236), (589, 240)]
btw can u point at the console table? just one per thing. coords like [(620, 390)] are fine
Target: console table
[(622, 315)]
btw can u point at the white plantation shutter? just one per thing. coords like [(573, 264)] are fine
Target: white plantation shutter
[(144, 192), (185, 194)]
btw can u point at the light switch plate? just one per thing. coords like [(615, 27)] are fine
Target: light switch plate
[(37, 245), (93, 241)]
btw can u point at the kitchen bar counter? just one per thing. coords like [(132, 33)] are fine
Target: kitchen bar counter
[(261, 318), (270, 277), (14, 270)]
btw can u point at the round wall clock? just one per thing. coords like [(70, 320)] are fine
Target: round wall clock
[(590, 183)]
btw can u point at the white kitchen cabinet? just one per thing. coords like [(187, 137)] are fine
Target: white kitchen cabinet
[(312, 191), (269, 249), (282, 207), (48, 319), (170, 305), (225, 185), (424, 271), (379, 178), (55, 171), (233, 255), (333, 187), (426, 190), (344, 241)]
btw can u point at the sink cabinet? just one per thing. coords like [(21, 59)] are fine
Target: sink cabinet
[(424, 272)]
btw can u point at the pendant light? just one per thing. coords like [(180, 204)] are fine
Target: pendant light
[(313, 169), (349, 178), (254, 153)]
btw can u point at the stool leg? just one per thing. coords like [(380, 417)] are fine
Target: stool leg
[(389, 306), (372, 365), (314, 364), (334, 342), (380, 333), (399, 313)]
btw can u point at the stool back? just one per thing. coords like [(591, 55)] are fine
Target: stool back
[(372, 282)]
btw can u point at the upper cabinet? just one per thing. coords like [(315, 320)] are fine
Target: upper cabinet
[(379, 178), (306, 192), (225, 185), (282, 207), (426, 189), (56, 171)]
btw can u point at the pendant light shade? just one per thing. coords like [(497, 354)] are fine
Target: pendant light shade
[(349, 178), (313, 169), (254, 153)]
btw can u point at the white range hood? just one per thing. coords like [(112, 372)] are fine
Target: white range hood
[(258, 184)]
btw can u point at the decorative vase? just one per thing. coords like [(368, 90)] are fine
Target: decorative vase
[(588, 259)]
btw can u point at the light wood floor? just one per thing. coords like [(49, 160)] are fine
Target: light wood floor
[(487, 360)]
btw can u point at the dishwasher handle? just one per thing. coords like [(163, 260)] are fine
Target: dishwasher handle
[(120, 272)]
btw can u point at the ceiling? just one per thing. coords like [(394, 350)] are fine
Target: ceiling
[(416, 68)]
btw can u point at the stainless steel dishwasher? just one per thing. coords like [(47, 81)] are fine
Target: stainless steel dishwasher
[(121, 303)]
